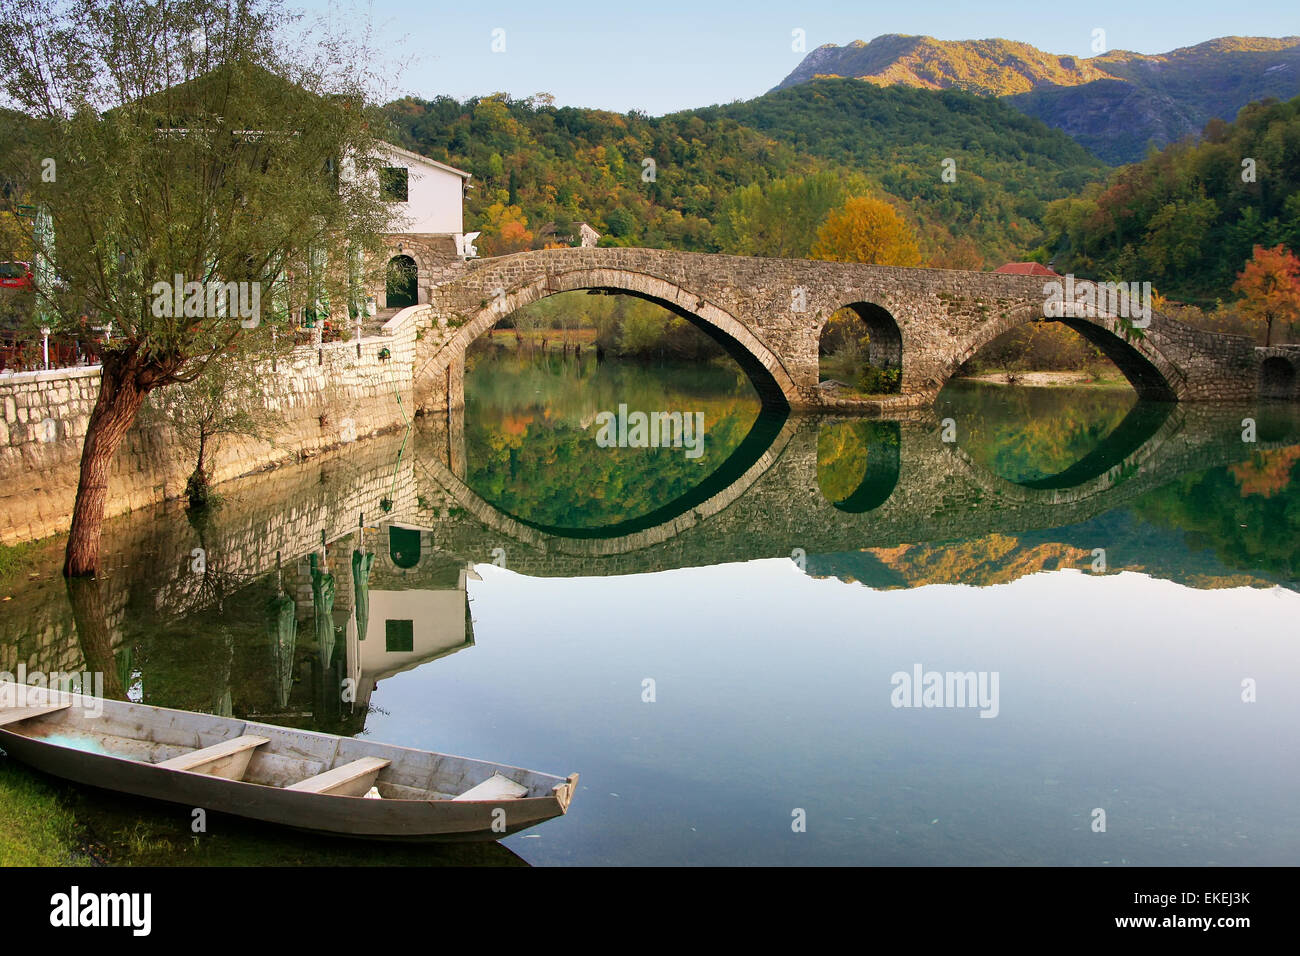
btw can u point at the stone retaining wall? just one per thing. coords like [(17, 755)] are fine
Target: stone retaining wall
[(321, 397)]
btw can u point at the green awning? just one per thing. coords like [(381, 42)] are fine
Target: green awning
[(322, 604), (282, 627), (361, 565)]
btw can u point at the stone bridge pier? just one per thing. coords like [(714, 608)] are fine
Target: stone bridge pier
[(769, 315)]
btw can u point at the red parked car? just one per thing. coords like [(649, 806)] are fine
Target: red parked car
[(15, 275)]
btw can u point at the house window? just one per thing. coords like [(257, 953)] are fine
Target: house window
[(399, 635), (393, 183)]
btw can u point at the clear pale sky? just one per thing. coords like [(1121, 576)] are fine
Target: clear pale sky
[(663, 55)]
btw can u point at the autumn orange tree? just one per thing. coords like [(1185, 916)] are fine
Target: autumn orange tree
[(866, 230), (506, 230), (1270, 288)]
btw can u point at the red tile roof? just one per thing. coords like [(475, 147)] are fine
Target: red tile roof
[(1026, 269)]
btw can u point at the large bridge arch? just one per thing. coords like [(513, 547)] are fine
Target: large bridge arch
[(765, 369), (1136, 353)]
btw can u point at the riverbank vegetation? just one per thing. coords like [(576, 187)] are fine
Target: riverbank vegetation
[(615, 326), (36, 829)]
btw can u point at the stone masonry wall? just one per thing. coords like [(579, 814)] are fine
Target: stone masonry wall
[(321, 397)]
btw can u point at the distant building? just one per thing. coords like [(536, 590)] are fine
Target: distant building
[(569, 234), (1026, 269)]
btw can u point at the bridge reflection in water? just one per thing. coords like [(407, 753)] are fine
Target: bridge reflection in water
[(323, 579), (913, 486)]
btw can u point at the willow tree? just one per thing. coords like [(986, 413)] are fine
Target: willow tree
[(177, 145)]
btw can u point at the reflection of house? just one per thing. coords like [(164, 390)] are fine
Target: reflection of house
[(415, 609), (407, 628), (354, 613), (427, 200)]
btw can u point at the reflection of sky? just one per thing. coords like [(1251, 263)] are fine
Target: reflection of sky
[(773, 692)]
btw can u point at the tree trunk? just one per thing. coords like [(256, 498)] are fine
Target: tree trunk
[(95, 635), (120, 398), (196, 489)]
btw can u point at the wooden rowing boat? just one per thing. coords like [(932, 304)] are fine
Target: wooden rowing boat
[(305, 780)]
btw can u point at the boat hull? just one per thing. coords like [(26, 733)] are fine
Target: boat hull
[(407, 820)]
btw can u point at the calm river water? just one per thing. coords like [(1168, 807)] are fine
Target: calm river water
[(722, 636)]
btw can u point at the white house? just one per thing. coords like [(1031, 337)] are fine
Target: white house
[(427, 196), (427, 236)]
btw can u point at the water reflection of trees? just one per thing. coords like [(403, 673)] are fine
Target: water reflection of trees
[(1030, 434), (858, 463)]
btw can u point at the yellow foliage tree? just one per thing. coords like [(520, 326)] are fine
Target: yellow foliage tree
[(866, 230), (506, 230)]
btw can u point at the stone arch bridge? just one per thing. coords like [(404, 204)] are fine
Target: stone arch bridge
[(769, 314)]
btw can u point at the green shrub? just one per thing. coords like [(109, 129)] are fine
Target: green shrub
[(880, 380)]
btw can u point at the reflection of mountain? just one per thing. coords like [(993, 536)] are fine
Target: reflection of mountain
[(1131, 544), (996, 559)]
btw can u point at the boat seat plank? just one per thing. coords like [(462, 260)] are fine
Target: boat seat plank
[(11, 715), (495, 787), (352, 776), (227, 748)]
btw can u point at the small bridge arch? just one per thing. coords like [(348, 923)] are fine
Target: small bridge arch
[(1278, 376), (1135, 352)]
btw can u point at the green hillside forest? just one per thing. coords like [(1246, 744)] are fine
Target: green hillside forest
[(1118, 104), (538, 169), (1187, 218)]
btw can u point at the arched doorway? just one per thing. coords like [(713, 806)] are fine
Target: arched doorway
[(1276, 378), (404, 546), (401, 288)]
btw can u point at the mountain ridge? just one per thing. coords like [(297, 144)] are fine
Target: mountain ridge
[(1116, 104)]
